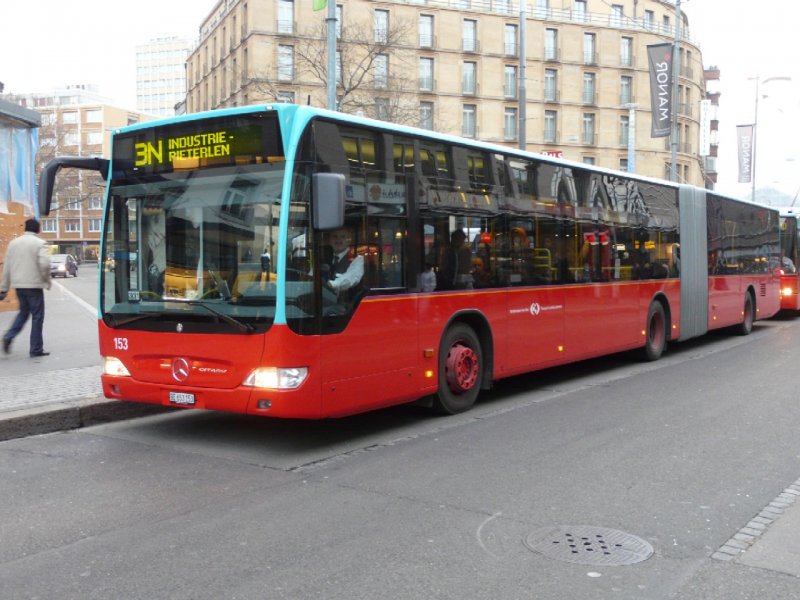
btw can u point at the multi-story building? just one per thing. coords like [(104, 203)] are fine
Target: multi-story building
[(453, 66), (71, 128), (161, 75)]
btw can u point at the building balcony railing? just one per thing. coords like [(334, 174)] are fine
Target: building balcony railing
[(552, 95), (589, 138), (552, 53), (550, 136), (589, 57), (471, 45), (427, 84), (286, 27)]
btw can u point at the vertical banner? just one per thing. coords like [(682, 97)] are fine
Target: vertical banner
[(744, 143), (659, 57)]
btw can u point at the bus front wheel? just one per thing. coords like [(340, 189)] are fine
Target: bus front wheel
[(655, 332), (460, 370)]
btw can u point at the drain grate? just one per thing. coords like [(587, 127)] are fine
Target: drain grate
[(587, 545)]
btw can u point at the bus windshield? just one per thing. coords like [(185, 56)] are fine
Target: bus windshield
[(193, 246)]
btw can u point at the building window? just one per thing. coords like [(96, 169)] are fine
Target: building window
[(510, 124), (502, 6), (550, 85), (95, 225), (49, 226), (542, 9), (468, 120), (73, 204), (285, 17), (426, 74), (94, 115), (623, 164), (69, 117), (286, 97), (666, 25), (550, 44), (626, 52), (426, 31), (468, 83), (624, 130), (72, 226), (510, 81), (381, 70), (589, 49), (95, 203), (470, 36), (625, 90), (580, 10), (94, 138), (589, 88), (426, 115), (616, 15), (649, 20), (588, 160), (286, 63), (71, 139), (550, 131), (510, 40), (382, 109), (381, 26), (588, 130)]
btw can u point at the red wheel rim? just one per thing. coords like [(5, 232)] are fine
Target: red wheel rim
[(461, 368)]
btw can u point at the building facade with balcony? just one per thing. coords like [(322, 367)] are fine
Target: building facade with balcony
[(454, 66)]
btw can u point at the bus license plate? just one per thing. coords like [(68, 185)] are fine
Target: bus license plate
[(181, 398)]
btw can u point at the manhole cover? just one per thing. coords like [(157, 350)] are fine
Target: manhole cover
[(589, 545)]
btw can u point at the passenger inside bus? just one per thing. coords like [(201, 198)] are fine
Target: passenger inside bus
[(455, 271)]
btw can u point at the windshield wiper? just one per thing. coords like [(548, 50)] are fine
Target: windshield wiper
[(241, 325), (115, 322)]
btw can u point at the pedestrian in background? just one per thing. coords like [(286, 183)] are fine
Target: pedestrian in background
[(27, 270)]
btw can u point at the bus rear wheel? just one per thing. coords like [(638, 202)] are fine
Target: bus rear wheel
[(655, 332), (460, 370), (748, 314)]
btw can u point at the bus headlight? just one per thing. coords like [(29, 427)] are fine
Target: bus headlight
[(275, 378), (113, 366)]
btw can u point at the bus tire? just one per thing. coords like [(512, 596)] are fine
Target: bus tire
[(655, 332), (748, 314), (460, 370)]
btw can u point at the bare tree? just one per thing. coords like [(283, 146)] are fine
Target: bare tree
[(372, 72)]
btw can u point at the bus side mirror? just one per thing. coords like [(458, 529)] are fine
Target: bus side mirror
[(47, 180), (327, 201)]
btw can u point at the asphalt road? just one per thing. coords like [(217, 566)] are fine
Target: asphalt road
[(680, 454)]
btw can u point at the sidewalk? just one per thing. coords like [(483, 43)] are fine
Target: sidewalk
[(62, 399), (61, 391)]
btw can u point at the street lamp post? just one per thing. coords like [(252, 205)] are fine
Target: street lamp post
[(755, 130)]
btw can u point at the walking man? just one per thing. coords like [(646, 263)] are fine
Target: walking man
[(27, 270)]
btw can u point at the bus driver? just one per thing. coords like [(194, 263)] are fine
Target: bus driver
[(344, 271)]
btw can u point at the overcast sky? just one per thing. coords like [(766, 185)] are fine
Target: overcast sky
[(45, 43)]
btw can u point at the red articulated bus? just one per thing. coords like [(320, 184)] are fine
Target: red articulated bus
[(287, 261), (790, 277)]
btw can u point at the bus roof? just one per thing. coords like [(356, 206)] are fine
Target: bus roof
[(305, 114)]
